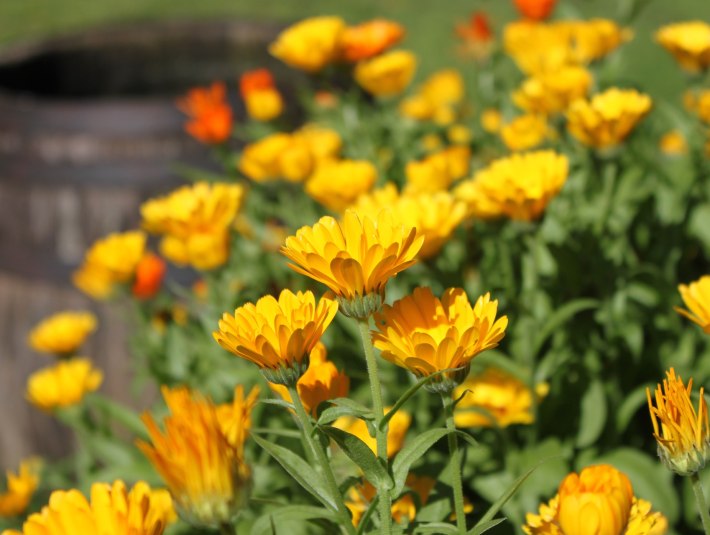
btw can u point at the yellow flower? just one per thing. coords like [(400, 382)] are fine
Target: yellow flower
[(388, 74), (689, 42), (64, 384), (608, 118), (337, 183), (437, 96), (598, 500), (459, 134), (321, 382), (696, 297), (354, 258), (505, 399), (398, 426), (359, 497), (369, 39), (491, 120), (594, 38), (20, 488), (277, 335), (112, 511), (63, 333), (673, 143), (110, 261), (437, 171), (552, 92), (699, 103), (260, 160), (519, 186), (261, 97), (310, 44), (683, 435), (200, 455), (426, 335), (524, 132)]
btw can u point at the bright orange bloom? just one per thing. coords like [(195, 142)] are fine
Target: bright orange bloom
[(476, 36), (369, 39), (696, 297), (149, 276), (210, 115), (535, 9)]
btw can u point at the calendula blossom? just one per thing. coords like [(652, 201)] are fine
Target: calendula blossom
[(682, 433), (355, 257), (261, 97), (491, 120), (696, 297), (62, 333), (20, 488), (552, 92), (524, 132), (673, 143), (277, 335), (535, 9), (397, 430), (600, 499), (438, 171), (361, 495), (310, 44), (425, 334), (439, 94), (64, 384), (337, 183), (366, 40), (149, 276), (689, 42), (210, 114), (388, 74), (476, 37)]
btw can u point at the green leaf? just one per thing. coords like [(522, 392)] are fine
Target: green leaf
[(278, 402), (263, 526), (559, 317), (436, 527), (485, 526), (361, 455), (592, 414), (299, 470), (629, 407), (410, 453), (331, 414)]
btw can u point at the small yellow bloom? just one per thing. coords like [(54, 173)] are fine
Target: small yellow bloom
[(388, 74), (424, 334), (608, 118), (200, 455), (673, 143), (683, 435), (354, 258), (310, 44), (436, 97), (261, 97), (437, 171), (260, 160), (398, 426), (337, 183), (20, 488), (505, 399), (277, 335), (459, 134), (524, 132), (359, 497), (321, 382), (491, 120), (689, 42), (416, 107), (696, 297), (64, 384), (552, 92), (63, 333), (598, 500)]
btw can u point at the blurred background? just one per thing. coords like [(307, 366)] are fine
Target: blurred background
[(89, 129)]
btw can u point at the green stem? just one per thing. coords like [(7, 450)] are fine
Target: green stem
[(316, 447), (455, 464), (702, 504), (385, 500)]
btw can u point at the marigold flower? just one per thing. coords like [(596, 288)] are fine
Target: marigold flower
[(388, 74), (64, 384), (689, 42), (552, 92), (524, 132), (437, 171), (398, 427), (535, 9), (260, 160), (459, 134), (20, 488), (261, 98), (476, 36), (321, 381), (277, 335), (696, 297), (62, 333), (673, 143), (437, 96), (491, 120), (369, 39), (210, 114), (359, 497), (200, 455), (599, 499), (149, 276), (336, 184), (354, 258), (310, 44), (426, 334)]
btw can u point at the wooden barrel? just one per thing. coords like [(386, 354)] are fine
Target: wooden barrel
[(88, 130)]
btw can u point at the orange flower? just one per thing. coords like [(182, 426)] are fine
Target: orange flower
[(149, 276), (476, 36), (369, 39), (211, 116), (258, 90), (360, 496), (535, 9)]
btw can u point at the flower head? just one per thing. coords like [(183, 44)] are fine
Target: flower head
[(210, 114), (689, 42), (388, 74), (20, 488), (491, 120), (696, 297), (552, 92), (200, 455), (398, 427), (524, 132), (535, 9), (355, 258), (683, 435), (64, 384), (673, 143), (608, 118), (277, 335), (369, 39), (337, 183), (476, 36), (310, 44), (261, 98), (437, 171), (426, 334), (436, 97), (63, 333), (361, 495), (149, 276)]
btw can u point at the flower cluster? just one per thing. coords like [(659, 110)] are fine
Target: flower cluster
[(210, 114)]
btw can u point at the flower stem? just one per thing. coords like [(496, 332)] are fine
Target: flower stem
[(315, 446), (455, 464), (702, 504), (385, 500)]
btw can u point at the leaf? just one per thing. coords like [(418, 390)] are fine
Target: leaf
[(361, 454), (331, 414), (592, 414), (263, 525), (436, 527), (410, 453), (485, 526), (299, 470), (628, 408), (559, 317), (278, 402)]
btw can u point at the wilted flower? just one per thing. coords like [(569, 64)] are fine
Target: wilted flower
[(112, 511), (608, 118), (337, 183), (210, 114), (277, 335), (524, 132), (437, 171), (491, 120), (388, 74), (64, 384), (599, 498), (62, 333), (397, 430), (689, 42), (696, 297), (369, 39), (673, 143), (552, 92), (20, 488), (361, 495), (476, 36), (310, 44), (200, 455), (683, 435), (261, 98), (427, 335), (535, 9)]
